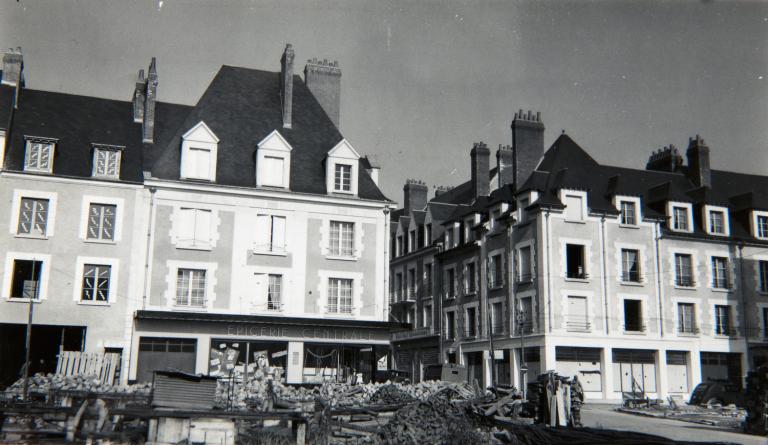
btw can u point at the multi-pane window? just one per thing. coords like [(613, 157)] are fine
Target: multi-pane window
[(680, 218), (190, 287), (762, 267), (270, 233), (106, 162), (496, 271), (450, 325), (470, 279), (683, 270), (26, 279), (497, 318), (33, 217), (524, 264), (722, 320), (717, 222), (471, 322), (339, 296), (630, 265), (195, 227), (96, 283), (686, 318), (101, 222), (342, 178), (761, 226), (275, 293), (342, 239), (628, 213), (39, 156), (720, 272)]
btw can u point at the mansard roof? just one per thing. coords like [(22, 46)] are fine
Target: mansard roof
[(242, 106)]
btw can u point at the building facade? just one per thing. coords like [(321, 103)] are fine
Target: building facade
[(653, 279), (200, 238)]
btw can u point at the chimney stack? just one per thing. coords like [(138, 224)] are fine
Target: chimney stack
[(505, 165), (666, 159), (527, 145), (323, 79), (480, 156), (150, 99), (286, 85), (699, 170), (414, 195), (139, 96), (13, 71)]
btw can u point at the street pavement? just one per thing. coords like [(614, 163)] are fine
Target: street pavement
[(604, 416)]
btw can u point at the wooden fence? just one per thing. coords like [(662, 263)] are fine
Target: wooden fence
[(93, 364)]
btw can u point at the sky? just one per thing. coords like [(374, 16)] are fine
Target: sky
[(423, 80)]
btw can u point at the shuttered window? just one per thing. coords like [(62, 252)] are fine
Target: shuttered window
[(574, 208), (273, 171), (195, 228), (270, 233)]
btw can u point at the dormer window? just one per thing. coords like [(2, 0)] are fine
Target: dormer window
[(39, 155), (106, 161), (628, 213), (342, 166), (760, 224), (199, 150), (717, 220), (575, 208), (273, 162), (681, 219)]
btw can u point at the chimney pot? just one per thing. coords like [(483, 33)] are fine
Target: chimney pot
[(13, 71)]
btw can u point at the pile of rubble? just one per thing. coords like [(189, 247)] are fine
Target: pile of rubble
[(48, 383), (756, 402)]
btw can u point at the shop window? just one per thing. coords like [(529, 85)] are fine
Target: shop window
[(26, 279), (190, 288), (96, 280), (339, 296), (101, 222), (33, 217), (575, 261), (243, 358), (633, 316)]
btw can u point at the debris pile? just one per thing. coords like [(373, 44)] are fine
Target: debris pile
[(48, 383), (757, 402), (556, 400), (392, 395)]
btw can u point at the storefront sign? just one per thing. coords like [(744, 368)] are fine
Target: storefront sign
[(317, 333)]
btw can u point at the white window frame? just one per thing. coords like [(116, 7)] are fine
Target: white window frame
[(271, 248), (173, 266), (756, 214), (47, 142), (708, 209), (119, 204), (733, 324), (564, 193), (519, 261), (42, 292), (758, 283), (340, 170), (645, 320), (273, 146), (358, 237), (696, 316), (199, 137), (176, 227), (689, 215), (80, 263), (104, 148), (619, 200), (50, 224), (321, 301), (343, 153)]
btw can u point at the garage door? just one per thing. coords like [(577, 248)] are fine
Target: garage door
[(161, 354), (581, 362)]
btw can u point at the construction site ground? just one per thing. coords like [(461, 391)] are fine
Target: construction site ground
[(605, 416)]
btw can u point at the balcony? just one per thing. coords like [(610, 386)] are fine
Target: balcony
[(577, 324), (726, 331), (721, 284), (524, 278), (631, 277), (634, 327), (688, 330), (425, 331), (685, 281), (576, 275), (526, 327)]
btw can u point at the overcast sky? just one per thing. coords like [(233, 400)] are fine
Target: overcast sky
[(424, 80)]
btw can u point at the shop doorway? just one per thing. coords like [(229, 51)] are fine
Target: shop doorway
[(340, 363), (161, 354), (475, 367)]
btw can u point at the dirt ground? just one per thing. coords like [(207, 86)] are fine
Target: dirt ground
[(598, 415)]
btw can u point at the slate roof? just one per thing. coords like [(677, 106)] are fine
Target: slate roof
[(77, 122), (242, 106)]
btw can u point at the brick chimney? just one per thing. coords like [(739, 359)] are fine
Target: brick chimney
[(414, 195), (323, 79), (527, 145), (13, 71), (505, 165), (665, 159), (286, 85), (699, 170), (150, 99), (139, 96), (480, 156)]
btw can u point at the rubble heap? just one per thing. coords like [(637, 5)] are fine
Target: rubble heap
[(757, 402), (47, 383)]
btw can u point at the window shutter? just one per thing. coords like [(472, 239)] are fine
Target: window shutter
[(186, 226), (263, 231), (260, 292), (278, 233), (272, 171), (203, 226), (573, 208)]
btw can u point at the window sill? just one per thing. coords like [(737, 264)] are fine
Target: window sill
[(680, 231), (722, 290), (496, 287), (189, 308), (94, 303), (629, 226), (470, 294), (23, 235), (763, 292), (340, 314), (340, 258), (575, 221), (576, 330), (343, 192), (633, 283), (688, 334), (577, 280), (270, 253), (724, 336), (190, 247), (634, 333), (685, 287), (722, 235), (22, 300), (100, 241)]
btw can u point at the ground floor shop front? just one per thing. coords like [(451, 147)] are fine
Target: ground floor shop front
[(296, 350), (413, 354), (605, 369)]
